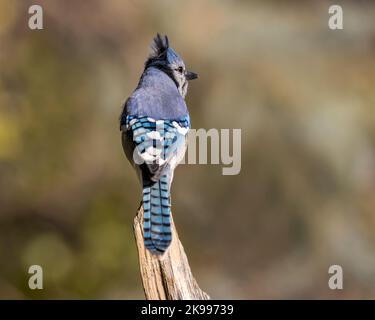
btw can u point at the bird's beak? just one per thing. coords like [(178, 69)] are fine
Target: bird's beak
[(191, 75)]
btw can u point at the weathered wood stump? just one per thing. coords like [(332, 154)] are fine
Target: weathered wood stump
[(167, 276)]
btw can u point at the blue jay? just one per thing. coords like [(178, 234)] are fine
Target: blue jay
[(154, 125)]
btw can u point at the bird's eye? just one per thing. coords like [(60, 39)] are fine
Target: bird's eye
[(180, 69)]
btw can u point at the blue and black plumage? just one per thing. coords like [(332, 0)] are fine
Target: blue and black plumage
[(154, 124)]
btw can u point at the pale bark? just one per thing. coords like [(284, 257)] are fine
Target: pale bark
[(167, 276)]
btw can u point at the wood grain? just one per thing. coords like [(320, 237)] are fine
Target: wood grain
[(167, 276)]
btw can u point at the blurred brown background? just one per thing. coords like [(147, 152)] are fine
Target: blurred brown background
[(302, 94)]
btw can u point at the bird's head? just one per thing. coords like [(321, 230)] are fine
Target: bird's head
[(167, 60)]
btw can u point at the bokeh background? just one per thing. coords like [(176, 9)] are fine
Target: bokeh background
[(302, 94)]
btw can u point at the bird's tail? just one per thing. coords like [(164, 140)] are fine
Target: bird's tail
[(156, 223)]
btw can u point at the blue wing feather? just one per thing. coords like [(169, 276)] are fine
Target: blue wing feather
[(156, 141), (159, 142)]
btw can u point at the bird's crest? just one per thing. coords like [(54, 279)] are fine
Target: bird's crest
[(159, 46), (162, 53)]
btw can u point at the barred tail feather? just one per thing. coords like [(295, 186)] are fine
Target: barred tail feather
[(156, 224), (147, 219)]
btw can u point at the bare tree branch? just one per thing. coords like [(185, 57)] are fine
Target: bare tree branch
[(166, 277)]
